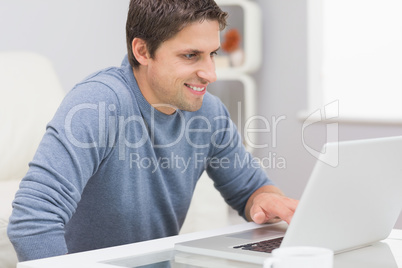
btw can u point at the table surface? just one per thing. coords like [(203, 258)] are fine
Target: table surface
[(386, 253)]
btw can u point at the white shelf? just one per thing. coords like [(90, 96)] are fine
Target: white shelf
[(252, 48), (252, 35)]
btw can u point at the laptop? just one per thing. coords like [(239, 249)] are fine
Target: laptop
[(344, 207)]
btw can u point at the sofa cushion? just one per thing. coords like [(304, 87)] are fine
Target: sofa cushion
[(8, 257)]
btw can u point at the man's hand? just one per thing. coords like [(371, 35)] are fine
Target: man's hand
[(268, 204)]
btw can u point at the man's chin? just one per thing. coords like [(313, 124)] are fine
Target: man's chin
[(191, 107)]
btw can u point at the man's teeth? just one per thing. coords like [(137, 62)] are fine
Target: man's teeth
[(196, 88)]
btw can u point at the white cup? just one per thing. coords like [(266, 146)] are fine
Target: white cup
[(300, 257)]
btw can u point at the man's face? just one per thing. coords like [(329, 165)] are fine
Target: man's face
[(182, 67)]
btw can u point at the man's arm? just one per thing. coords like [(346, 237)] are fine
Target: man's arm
[(51, 189), (268, 204)]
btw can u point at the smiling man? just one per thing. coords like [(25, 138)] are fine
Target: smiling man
[(121, 157)]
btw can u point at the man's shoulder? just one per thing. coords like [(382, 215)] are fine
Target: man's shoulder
[(112, 77), (108, 85)]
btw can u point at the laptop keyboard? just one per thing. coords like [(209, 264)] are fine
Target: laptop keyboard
[(262, 246)]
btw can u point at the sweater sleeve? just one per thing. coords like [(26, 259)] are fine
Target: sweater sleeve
[(235, 172), (73, 147)]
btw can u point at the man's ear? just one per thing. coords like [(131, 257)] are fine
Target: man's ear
[(140, 51)]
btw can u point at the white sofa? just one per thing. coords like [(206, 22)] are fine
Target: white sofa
[(29, 96)]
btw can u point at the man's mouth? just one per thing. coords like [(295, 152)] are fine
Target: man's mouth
[(198, 89)]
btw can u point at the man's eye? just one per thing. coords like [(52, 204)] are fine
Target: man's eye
[(213, 54), (190, 56)]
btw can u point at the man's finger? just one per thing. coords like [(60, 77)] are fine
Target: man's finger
[(267, 207), (259, 217)]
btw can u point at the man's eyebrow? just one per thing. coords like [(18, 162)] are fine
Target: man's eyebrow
[(192, 51), (196, 51)]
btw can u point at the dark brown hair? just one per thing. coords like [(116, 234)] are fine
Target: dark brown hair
[(156, 21)]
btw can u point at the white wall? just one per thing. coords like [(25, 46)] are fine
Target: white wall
[(80, 37)]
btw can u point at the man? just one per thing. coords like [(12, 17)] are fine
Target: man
[(120, 159)]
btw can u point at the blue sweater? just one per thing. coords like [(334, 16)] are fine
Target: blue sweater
[(112, 170)]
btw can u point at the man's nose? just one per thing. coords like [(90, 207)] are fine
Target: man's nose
[(207, 70)]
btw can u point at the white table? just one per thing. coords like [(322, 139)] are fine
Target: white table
[(387, 253)]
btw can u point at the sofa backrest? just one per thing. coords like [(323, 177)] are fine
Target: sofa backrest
[(30, 93)]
